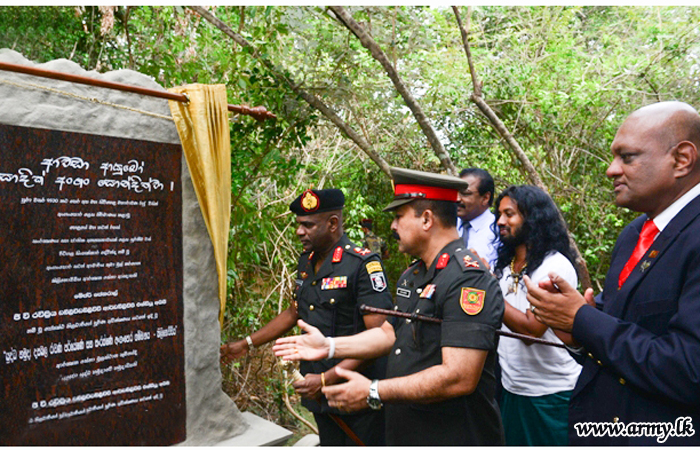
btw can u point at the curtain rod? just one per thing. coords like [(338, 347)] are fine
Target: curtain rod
[(257, 112)]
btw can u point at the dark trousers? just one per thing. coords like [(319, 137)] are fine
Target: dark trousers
[(367, 425)]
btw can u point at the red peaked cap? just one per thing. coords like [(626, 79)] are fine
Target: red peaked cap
[(410, 185)]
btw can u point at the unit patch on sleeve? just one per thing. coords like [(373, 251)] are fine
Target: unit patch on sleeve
[(428, 291), (472, 300), (334, 283), (378, 281), (373, 266)]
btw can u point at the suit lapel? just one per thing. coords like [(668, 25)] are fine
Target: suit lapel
[(627, 241), (655, 253)]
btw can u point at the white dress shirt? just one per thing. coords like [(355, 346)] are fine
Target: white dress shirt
[(481, 236)]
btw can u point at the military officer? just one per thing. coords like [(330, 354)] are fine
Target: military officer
[(440, 378), (334, 276)]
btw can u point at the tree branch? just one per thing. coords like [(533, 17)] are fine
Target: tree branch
[(309, 98), (411, 102), (465, 42), (502, 130)]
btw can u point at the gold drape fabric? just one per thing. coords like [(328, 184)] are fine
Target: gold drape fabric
[(204, 132)]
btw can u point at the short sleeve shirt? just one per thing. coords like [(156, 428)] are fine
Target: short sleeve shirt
[(458, 289), (536, 370)]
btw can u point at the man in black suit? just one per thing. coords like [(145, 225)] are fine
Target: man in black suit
[(640, 382)]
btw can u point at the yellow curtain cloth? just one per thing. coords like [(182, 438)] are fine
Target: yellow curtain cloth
[(204, 132)]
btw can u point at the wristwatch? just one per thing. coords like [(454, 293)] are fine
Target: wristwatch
[(373, 399)]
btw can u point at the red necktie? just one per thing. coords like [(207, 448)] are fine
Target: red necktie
[(646, 238)]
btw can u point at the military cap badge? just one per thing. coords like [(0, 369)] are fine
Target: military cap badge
[(309, 201), (314, 201)]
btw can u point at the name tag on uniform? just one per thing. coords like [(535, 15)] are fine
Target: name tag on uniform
[(334, 283), (403, 292)]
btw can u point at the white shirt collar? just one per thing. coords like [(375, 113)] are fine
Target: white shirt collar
[(482, 220), (663, 219)]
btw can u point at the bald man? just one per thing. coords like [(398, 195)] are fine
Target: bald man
[(640, 383)]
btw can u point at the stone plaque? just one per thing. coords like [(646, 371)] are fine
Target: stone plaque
[(91, 314)]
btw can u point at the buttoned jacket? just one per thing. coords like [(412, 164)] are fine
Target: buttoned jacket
[(643, 349), (330, 299)]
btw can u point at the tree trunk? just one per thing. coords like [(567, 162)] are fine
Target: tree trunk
[(499, 126), (309, 98), (346, 19)]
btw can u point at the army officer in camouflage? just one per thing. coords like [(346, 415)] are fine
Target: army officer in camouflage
[(334, 276), (440, 378)]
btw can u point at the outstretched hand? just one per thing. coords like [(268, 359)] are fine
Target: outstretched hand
[(311, 346), (555, 302)]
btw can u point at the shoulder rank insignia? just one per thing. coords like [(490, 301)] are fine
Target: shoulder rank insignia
[(378, 281), (334, 283), (362, 251), (470, 262), (373, 266), (428, 291), (442, 261), (304, 275), (653, 254), (338, 254), (472, 300), (309, 201)]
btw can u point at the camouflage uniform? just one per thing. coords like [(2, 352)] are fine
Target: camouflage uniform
[(375, 243)]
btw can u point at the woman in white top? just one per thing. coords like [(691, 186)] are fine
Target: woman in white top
[(537, 379)]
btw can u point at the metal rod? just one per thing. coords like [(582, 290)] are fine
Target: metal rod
[(258, 112), (390, 312)]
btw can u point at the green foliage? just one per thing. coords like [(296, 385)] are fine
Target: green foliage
[(561, 78)]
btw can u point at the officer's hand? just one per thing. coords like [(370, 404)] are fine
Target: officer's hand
[(233, 350), (309, 387), (555, 302), (350, 396), (311, 346)]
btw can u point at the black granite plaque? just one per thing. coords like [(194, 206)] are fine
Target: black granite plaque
[(91, 310)]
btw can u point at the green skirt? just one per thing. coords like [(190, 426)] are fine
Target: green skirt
[(537, 421)]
